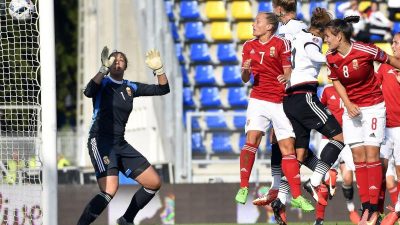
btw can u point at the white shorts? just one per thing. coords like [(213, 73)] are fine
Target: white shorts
[(261, 113), (366, 129), (345, 156), (391, 170), (391, 145)]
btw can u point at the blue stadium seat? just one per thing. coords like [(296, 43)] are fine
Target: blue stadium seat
[(231, 75), (174, 31), (316, 3), (239, 121), (221, 143), (396, 27), (194, 31), (189, 10), (204, 75), (197, 143), (169, 8), (242, 140), (217, 121), (179, 53), (199, 52), (188, 97), (339, 14), (185, 77), (265, 6), (210, 97), (195, 120), (375, 38), (237, 96), (226, 52), (299, 15)]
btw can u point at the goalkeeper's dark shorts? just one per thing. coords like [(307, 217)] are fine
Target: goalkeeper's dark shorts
[(109, 157)]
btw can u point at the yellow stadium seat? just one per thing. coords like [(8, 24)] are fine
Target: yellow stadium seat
[(244, 31), (215, 10), (397, 16), (363, 5), (324, 48), (221, 31), (241, 10), (385, 47)]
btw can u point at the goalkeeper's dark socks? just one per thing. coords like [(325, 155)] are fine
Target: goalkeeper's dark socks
[(276, 170), (139, 200), (94, 208)]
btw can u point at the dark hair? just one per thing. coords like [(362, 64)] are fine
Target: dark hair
[(320, 18), (272, 19), (343, 25), (287, 5), (115, 53)]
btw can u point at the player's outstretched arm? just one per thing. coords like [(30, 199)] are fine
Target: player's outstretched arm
[(393, 61), (154, 62), (352, 109)]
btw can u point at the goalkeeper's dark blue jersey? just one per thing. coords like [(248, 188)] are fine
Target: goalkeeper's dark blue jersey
[(113, 103)]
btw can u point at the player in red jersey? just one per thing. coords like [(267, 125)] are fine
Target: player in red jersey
[(389, 77), (350, 67), (267, 57)]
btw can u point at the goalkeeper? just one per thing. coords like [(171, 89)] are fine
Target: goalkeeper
[(109, 151)]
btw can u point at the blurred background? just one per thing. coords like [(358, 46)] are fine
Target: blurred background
[(192, 136)]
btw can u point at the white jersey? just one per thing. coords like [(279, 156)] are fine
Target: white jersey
[(290, 29), (303, 68)]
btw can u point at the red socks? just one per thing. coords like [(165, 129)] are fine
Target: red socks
[(320, 209), (362, 181), (393, 194), (291, 169), (247, 157), (374, 180)]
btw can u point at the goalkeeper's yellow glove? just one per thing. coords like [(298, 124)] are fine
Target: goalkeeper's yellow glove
[(153, 61), (105, 61)]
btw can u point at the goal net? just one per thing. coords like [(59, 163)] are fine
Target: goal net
[(20, 122)]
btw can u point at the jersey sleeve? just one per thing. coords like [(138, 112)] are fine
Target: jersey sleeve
[(141, 89), (245, 52), (380, 55), (286, 53), (91, 89), (332, 75)]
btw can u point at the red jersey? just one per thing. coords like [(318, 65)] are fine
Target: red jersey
[(391, 92), (267, 63), (355, 71), (332, 100)]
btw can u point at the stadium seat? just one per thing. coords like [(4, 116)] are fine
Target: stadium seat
[(199, 52), (185, 77), (188, 97), (239, 121), (244, 31), (174, 31), (221, 143), (241, 10), (265, 6), (194, 122), (237, 96), (325, 48), (197, 143), (215, 10), (204, 75), (376, 38), (210, 97), (169, 8), (189, 10), (194, 31), (396, 27), (314, 4), (221, 31), (217, 121), (299, 14), (179, 53), (385, 47), (242, 140), (338, 13), (226, 52), (231, 75)]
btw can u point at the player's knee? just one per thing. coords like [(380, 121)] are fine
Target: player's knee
[(331, 151), (155, 183)]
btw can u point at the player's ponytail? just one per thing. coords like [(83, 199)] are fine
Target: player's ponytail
[(343, 26)]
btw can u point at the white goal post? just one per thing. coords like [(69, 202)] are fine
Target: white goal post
[(28, 180)]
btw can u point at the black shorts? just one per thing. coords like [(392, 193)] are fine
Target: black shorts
[(109, 156), (306, 112)]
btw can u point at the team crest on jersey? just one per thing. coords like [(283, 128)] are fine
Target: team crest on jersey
[(128, 90), (355, 64), (106, 160), (252, 51), (272, 51), (315, 40)]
